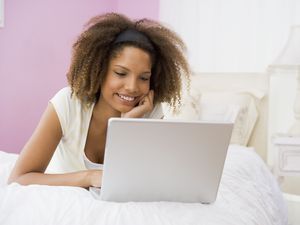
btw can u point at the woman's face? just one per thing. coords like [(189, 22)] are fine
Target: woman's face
[(127, 80)]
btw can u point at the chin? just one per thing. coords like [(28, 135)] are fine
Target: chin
[(122, 106), (124, 109)]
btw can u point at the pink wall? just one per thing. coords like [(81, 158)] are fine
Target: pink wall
[(139, 9), (35, 47)]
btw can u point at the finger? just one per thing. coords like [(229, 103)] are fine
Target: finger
[(143, 100), (147, 100), (151, 95)]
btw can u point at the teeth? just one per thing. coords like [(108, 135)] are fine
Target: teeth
[(127, 98)]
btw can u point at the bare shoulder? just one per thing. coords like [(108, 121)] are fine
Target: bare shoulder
[(38, 151), (48, 129)]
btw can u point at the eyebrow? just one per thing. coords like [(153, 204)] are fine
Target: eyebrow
[(123, 67)]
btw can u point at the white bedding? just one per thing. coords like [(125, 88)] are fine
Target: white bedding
[(248, 194)]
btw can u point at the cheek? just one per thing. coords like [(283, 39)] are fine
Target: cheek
[(111, 85), (145, 88)]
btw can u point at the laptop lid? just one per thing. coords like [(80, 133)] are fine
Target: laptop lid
[(163, 160)]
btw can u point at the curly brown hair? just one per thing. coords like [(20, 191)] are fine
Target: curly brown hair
[(95, 48)]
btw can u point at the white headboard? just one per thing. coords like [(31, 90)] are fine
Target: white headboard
[(240, 81)]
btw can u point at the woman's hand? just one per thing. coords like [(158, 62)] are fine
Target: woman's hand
[(145, 105), (95, 178)]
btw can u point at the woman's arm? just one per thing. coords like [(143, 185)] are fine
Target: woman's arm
[(37, 153), (83, 179)]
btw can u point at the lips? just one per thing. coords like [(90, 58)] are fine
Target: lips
[(127, 99)]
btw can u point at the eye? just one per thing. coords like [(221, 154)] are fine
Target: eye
[(120, 74), (145, 78)]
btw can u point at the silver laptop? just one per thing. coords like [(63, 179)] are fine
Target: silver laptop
[(163, 160)]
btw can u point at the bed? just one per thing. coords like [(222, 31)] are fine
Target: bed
[(248, 193)]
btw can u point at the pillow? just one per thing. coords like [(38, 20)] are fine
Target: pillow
[(189, 109), (237, 107)]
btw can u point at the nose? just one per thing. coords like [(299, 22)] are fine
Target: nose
[(131, 85)]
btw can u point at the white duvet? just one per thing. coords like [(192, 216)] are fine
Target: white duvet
[(248, 194)]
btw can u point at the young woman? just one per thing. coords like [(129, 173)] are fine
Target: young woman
[(119, 68)]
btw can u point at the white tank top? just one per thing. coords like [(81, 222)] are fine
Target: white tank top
[(74, 119), (91, 165)]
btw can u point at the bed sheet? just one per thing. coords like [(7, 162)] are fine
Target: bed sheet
[(248, 194)]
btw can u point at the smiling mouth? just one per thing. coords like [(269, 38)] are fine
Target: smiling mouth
[(127, 98)]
